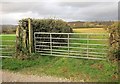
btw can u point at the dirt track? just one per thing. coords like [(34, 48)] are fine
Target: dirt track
[(18, 77)]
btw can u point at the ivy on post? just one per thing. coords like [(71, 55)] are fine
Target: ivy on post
[(30, 36), (24, 38)]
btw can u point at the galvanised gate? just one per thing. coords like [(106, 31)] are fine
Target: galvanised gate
[(76, 45)]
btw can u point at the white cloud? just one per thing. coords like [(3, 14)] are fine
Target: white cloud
[(59, 0)]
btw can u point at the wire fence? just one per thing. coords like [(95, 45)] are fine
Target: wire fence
[(76, 45)]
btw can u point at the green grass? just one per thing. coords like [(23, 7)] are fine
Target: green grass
[(8, 44), (70, 68), (73, 69), (5, 37)]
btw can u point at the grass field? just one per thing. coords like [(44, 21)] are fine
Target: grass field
[(8, 44), (89, 30), (70, 68)]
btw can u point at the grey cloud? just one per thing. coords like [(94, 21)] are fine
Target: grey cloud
[(108, 11), (41, 8), (69, 11), (21, 7), (79, 4)]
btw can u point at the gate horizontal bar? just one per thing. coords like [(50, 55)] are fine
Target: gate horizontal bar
[(7, 40), (5, 57), (70, 47), (7, 45), (72, 33), (74, 43), (76, 57), (69, 38), (7, 35), (71, 51), (66, 53)]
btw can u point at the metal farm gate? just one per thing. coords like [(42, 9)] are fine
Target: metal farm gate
[(7, 45), (76, 45)]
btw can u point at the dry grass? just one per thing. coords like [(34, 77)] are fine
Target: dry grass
[(89, 30)]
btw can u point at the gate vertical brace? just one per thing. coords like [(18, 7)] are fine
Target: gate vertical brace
[(34, 42), (51, 43), (68, 45), (87, 45)]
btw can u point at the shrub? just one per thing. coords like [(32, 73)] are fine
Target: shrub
[(52, 26)]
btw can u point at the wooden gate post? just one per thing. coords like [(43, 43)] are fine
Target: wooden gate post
[(17, 40), (30, 29)]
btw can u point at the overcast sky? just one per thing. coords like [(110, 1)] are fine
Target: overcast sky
[(12, 11)]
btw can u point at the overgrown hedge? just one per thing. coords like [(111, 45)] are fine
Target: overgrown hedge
[(46, 25), (114, 41), (52, 26), (41, 25)]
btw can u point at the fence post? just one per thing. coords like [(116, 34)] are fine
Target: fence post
[(87, 45), (51, 43), (68, 45), (30, 36)]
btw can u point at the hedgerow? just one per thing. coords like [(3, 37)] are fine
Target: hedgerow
[(41, 25), (114, 41)]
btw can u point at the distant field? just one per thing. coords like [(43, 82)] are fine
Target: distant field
[(7, 44), (89, 30)]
